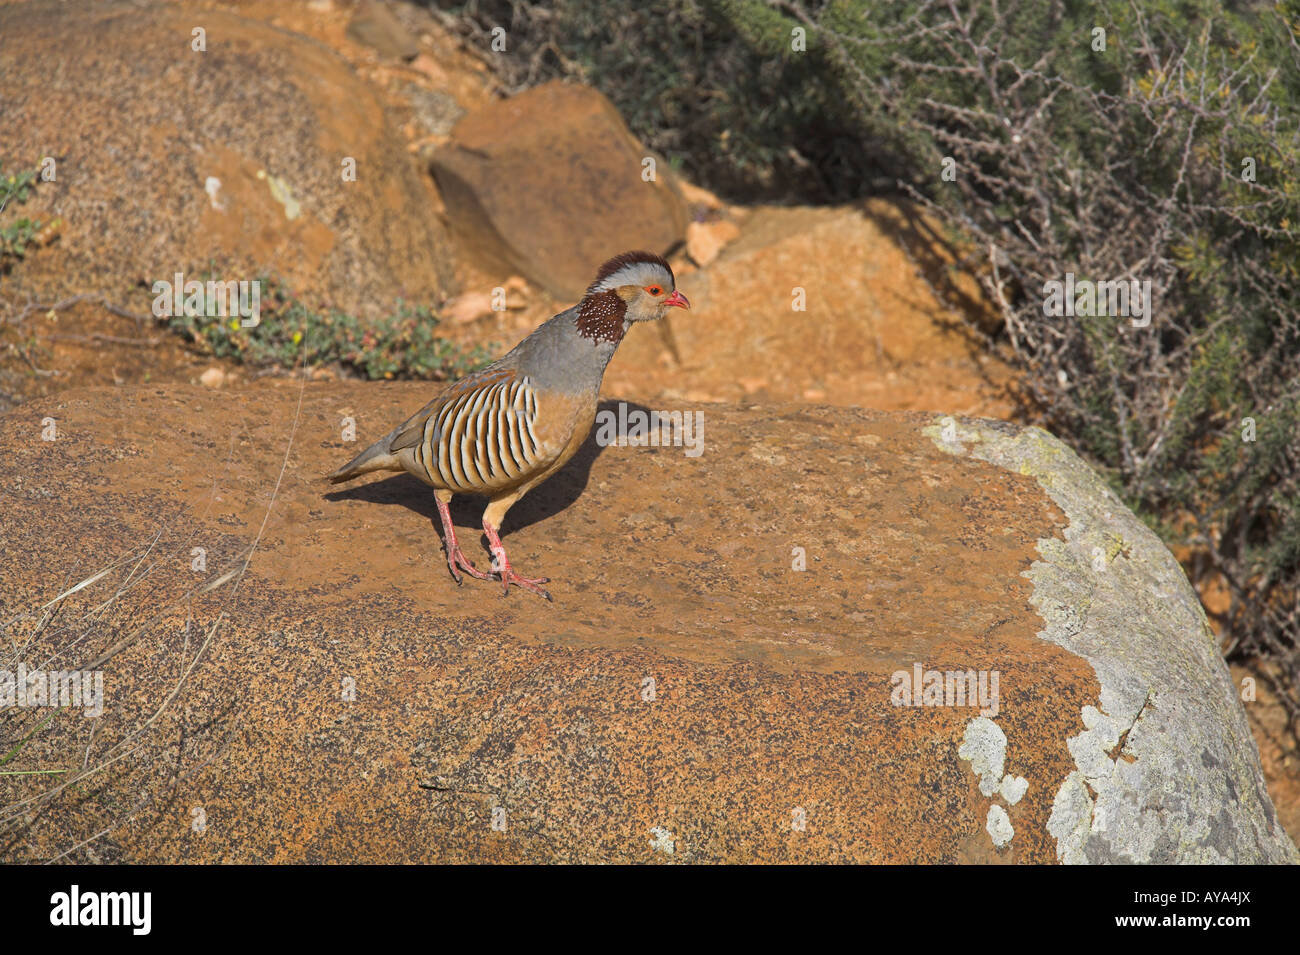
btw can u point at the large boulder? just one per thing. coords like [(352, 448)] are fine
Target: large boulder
[(289, 673), (549, 184), (169, 159)]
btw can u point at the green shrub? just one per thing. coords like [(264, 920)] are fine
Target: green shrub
[(403, 344)]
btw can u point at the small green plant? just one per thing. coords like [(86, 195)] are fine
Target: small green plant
[(17, 185), (403, 344), (16, 188)]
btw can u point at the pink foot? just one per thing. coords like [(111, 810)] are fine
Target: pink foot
[(456, 559), (501, 564)]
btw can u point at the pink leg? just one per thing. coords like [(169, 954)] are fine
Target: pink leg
[(455, 556), (501, 564)]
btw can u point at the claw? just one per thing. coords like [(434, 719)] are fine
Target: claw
[(457, 561), (528, 583)]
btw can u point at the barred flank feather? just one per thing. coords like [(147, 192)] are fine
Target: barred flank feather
[(480, 439)]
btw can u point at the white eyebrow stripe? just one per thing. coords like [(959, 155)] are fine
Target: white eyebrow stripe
[(637, 273)]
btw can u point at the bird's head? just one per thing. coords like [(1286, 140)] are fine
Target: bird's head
[(632, 287)]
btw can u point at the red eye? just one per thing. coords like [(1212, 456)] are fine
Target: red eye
[(654, 290)]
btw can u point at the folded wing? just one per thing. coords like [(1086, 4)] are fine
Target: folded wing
[(477, 437)]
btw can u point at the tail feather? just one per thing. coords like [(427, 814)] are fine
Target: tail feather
[(377, 457)]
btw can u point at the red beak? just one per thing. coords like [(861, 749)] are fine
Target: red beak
[(678, 299)]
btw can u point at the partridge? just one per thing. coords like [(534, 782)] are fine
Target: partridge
[(506, 428)]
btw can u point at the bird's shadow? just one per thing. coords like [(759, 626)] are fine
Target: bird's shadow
[(546, 500)]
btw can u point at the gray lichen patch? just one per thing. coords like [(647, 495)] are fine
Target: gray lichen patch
[(662, 840), (1166, 770), (998, 826), (984, 746), (1013, 788)]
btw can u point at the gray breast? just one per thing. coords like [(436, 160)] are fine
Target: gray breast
[(557, 358)]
